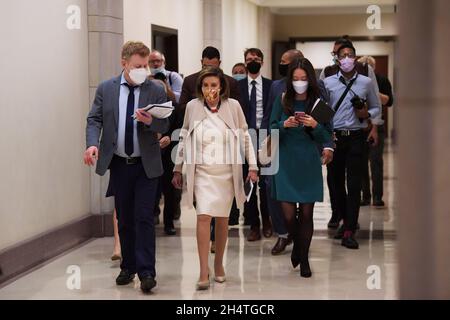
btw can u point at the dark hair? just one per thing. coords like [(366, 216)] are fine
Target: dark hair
[(343, 39), (212, 72), (313, 88), (211, 53), (254, 51), (347, 44)]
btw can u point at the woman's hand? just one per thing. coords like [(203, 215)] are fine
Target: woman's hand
[(177, 180), (308, 121), (253, 176), (291, 122)]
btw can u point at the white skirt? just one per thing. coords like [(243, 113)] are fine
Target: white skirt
[(213, 190)]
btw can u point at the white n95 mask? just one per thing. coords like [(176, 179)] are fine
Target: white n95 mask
[(300, 86), (138, 76)]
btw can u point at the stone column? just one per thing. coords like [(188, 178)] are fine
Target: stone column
[(212, 23), (105, 23), (423, 161), (265, 30)]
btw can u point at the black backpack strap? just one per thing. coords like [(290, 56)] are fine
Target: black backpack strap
[(170, 79), (347, 89)]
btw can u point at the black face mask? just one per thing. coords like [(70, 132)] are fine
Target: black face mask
[(253, 67), (283, 69)]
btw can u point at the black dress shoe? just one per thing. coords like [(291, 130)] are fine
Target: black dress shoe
[(305, 270), (350, 242), (170, 231), (365, 202), (147, 284), (340, 233), (378, 203), (280, 246), (125, 277)]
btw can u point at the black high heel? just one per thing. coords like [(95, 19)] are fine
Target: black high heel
[(305, 270), (295, 254)]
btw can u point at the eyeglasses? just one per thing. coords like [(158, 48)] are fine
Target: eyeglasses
[(347, 55)]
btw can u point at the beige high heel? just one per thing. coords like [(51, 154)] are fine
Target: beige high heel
[(203, 285), (220, 279)]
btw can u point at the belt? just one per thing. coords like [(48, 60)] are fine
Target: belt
[(130, 160), (347, 133)]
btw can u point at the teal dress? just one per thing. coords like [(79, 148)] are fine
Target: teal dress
[(299, 177)]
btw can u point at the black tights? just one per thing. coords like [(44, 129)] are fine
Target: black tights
[(301, 228)]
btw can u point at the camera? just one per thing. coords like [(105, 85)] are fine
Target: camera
[(160, 76), (357, 102)]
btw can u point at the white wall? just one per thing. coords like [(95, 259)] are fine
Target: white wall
[(184, 15), (239, 31), (287, 26), (44, 100)]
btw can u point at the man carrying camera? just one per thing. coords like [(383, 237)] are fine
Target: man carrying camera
[(172, 197), (355, 100)]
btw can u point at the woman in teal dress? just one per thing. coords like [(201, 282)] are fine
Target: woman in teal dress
[(299, 177)]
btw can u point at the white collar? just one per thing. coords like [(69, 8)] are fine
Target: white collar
[(258, 79)]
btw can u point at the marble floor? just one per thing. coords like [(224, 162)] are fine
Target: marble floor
[(252, 272)]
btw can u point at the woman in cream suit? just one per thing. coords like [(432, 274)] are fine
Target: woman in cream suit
[(212, 140)]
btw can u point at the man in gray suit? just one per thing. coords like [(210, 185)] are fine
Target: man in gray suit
[(130, 149)]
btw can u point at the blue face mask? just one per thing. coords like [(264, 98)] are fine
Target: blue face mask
[(239, 76), (158, 70)]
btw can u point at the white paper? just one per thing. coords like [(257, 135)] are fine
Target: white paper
[(251, 191), (159, 111)]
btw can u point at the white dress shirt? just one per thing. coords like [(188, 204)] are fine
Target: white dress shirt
[(123, 101), (259, 98)]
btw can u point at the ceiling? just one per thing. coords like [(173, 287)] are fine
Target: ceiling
[(310, 7)]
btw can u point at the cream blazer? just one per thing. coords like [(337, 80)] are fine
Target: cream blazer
[(231, 113)]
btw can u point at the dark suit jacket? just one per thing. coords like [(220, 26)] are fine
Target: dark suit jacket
[(245, 98), (276, 89), (188, 93), (102, 125)]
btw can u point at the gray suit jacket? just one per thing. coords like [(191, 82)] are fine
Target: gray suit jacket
[(103, 118)]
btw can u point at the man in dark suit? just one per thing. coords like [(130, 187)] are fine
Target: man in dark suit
[(130, 149), (254, 90), (210, 58)]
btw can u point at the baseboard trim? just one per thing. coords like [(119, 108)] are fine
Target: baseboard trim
[(28, 254)]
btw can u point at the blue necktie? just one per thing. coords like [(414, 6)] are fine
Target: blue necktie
[(129, 124), (252, 123)]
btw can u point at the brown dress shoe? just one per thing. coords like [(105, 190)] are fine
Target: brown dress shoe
[(267, 229), (254, 235), (280, 246)]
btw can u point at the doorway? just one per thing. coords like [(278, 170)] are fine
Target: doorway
[(165, 40)]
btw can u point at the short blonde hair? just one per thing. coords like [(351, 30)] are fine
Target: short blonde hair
[(367, 60), (131, 48)]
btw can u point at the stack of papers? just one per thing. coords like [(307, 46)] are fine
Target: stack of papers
[(158, 111)]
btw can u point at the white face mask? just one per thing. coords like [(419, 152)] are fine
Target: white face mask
[(138, 76), (300, 86)]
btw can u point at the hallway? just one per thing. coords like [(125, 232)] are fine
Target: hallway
[(252, 272)]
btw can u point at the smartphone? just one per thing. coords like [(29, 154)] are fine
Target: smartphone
[(298, 115)]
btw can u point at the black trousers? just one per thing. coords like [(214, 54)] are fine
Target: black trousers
[(346, 176), (172, 196), (336, 216), (135, 195), (374, 155)]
